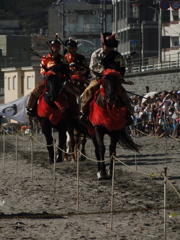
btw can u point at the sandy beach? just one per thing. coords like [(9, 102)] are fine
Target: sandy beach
[(39, 201)]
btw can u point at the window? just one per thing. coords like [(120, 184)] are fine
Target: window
[(14, 83), (175, 41), (175, 15), (9, 83), (29, 82)]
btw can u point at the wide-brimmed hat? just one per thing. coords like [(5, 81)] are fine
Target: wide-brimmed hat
[(55, 41), (70, 43), (110, 39)]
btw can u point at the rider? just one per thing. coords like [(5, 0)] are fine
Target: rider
[(51, 64), (101, 59), (79, 68)]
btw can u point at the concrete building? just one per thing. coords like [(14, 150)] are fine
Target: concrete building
[(140, 25), (171, 29), (19, 82), (82, 20), (12, 54)]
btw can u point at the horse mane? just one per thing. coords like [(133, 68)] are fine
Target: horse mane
[(112, 117)]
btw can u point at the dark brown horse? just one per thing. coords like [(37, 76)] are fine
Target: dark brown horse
[(54, 111), (108, 116)]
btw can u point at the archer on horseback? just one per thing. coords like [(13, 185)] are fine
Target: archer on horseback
[(103, 58), (79, 70), (53, 63), (80, 67)]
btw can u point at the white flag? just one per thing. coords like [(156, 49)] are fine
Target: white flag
[(15, 110)]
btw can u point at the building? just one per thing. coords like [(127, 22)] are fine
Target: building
[(141, 25), (82, 20), (12, 54), (9, 27), (140, 28), (19, 81), (171, 30)]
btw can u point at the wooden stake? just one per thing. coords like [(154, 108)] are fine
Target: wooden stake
[(112, 195)]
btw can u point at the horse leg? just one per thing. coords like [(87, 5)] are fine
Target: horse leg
[(112, 150), (46, 130), (83, 143), (76, 143), (79, 141), (99, 133), (65, 148), (71, 144), (62, 127)]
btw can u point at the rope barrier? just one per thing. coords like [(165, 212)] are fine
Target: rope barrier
[(42, 143), (69, 214), (152, 175), (93, 160)]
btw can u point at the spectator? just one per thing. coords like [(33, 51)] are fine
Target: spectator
[(147, 90)]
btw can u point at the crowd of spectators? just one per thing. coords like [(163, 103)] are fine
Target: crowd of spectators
[(158, 114)]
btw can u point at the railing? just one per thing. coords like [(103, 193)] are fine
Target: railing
[(152, 64), (133, 65)]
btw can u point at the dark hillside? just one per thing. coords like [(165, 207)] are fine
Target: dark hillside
[(32, 14)]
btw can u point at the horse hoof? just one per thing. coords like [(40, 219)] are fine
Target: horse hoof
[(82, 158), (59, 159), (101, 176), (51, 161), (109, 175)]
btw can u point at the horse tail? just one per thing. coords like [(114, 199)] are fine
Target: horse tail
[(127, 142)]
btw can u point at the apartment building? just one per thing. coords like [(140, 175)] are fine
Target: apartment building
[(140, 25), (171, 29)]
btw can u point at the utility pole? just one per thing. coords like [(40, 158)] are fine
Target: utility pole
[(160, 36), (103, 2), (137, 6), (115, 16)]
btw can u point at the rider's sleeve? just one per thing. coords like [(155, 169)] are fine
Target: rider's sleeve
[(43, 66), (95, 65)]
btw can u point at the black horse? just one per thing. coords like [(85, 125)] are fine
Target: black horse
[(54, 111), (108, 116)]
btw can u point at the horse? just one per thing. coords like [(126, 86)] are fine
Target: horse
[(75, 139), (53, 111), (108, 116)]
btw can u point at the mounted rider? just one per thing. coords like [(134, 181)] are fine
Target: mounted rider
[(78, 65), (103, 58), (52, 63)]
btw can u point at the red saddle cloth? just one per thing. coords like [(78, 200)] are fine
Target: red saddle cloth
[(53, 114), (111, 118)]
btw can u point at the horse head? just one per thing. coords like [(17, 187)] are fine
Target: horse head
[(54, 85), (110, 82)]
